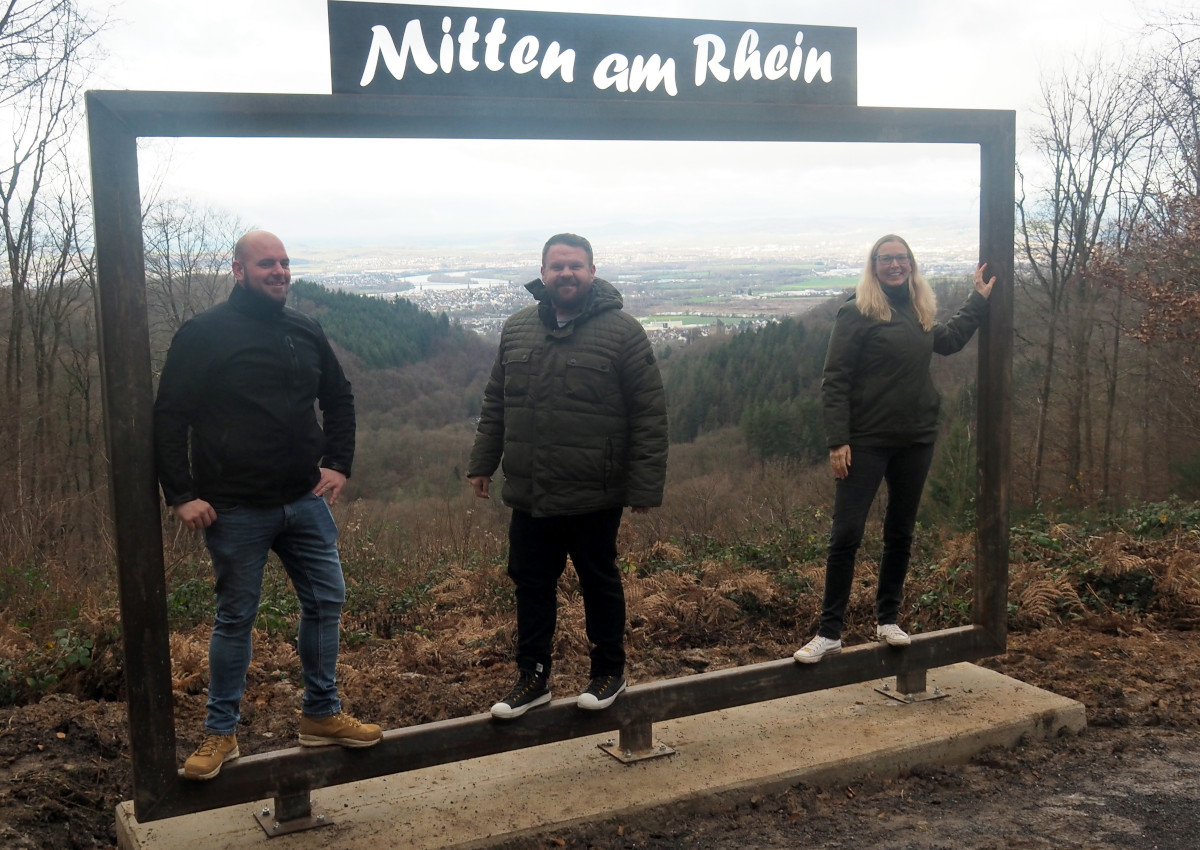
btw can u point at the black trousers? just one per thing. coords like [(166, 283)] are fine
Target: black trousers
[(904, 469), (537, 555)]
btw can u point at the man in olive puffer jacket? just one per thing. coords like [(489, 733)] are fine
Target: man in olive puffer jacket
[(575, 406)]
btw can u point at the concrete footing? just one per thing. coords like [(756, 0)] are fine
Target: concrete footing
[(821, 738)]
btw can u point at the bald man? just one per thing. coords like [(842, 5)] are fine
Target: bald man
[(243, 459)]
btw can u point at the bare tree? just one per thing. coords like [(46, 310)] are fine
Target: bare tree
[(44, 49), (1095, 143), (1154, 270), (59, 291), (1172, 86), (31, 44), (188, 253)]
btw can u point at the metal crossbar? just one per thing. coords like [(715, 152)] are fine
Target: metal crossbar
[(295, 771)]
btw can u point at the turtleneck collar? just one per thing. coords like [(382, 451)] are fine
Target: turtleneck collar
[(254, 304), (897, 295)]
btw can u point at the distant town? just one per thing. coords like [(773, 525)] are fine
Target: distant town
[(675, 292)]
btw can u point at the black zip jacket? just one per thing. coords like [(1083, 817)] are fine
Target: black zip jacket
[(242, 378), (877, 389)]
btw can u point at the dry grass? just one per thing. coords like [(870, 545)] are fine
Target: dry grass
[(734, 557)]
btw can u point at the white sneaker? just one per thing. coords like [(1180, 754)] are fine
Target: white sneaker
[(815, 649), (893, 634)]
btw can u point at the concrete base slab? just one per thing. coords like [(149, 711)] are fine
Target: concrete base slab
[(821, 738)]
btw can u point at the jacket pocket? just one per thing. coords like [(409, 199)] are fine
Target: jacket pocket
[(589, 378), (516, 373)]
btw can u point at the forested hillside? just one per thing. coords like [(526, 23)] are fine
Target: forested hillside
[(767, 382), (418, 383), (408, 366), (382, 333), (729, 377)]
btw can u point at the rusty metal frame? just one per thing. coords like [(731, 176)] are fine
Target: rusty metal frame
[(117, 119)]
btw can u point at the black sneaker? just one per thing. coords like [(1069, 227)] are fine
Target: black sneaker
[(601, 692), (529, 691)]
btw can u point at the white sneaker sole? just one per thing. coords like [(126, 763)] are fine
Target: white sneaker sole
[(590, 703), (504, 711), (805, 658)]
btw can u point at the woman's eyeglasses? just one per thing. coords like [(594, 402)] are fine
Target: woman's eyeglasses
[(888, 259)]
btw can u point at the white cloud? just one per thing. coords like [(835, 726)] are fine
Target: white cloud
[(928, 53)]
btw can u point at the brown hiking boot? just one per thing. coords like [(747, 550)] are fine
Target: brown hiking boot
[(340, 729), (213, 752)]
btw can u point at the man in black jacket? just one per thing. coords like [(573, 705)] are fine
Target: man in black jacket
[(242, 458)]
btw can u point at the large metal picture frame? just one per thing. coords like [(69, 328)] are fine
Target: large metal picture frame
[(117, 119)]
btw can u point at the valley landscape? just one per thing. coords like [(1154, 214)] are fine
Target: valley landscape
[(668, 286)]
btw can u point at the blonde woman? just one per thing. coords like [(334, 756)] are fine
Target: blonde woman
[(881, 420)]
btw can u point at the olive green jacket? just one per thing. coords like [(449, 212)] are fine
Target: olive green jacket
[(876, 389), (578, 413)]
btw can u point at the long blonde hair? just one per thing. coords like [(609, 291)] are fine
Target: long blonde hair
[(873, 303)]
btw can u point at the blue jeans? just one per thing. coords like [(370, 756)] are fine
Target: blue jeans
[(304, 536), (904, 469), (537, 556)]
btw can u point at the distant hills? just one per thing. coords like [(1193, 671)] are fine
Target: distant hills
[(412, 368), (800, 237)]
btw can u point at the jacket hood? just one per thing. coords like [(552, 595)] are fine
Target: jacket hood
[(603, 296)]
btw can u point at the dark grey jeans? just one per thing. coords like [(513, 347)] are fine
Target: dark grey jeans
[(904, 469)]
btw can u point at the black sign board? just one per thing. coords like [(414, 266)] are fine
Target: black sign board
[(389, 49)]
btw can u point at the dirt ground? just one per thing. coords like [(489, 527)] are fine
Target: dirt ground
[(1130, 780)]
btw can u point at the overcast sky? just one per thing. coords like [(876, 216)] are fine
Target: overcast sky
[(987, 54)]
